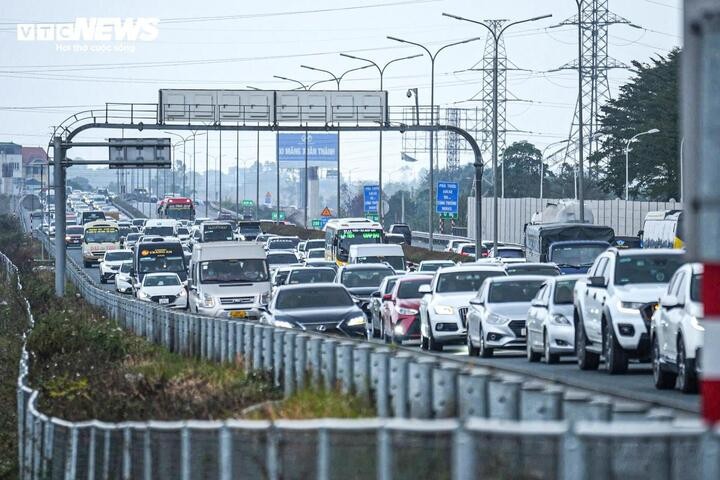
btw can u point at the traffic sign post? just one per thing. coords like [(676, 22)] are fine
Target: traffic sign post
[(371, 199), (446, 201)]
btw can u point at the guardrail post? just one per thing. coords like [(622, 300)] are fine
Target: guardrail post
[(463, 454), (473, 393), (248, 350), (420, 387), (380, 380), (504, 397), (628, 411), (323, 454), (314, 360), (328, 362), (399, 384), (384, 454), (540, 402), (278, 356), (239, 353), (660, 415), (572, 456), (444, 390), (301, 341), (710, 457), (223, 340), (257, 347), (344, 366), (231, 342), (185, 454), (288, 358), (226, 464), (267, 342), (361, 370)]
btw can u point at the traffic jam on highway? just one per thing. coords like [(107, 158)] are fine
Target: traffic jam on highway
[(572, 289)]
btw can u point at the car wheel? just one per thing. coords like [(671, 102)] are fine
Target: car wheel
[(663, 380), (433, 344), (687, 375), (423, 342), (586, 360), (616, 360), (86, 264), (473, 351), (548, 356), (485, 352), (102, 279), (532, 356)]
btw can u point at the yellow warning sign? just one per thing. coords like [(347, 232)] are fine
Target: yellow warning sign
[(326, 212)]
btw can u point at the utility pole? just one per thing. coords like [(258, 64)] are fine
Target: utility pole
[(497, 36)]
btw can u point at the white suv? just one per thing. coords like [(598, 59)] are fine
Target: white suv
[(607, 305), (676, 333), (444, 308)]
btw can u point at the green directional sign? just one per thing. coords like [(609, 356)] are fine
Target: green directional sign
[(452, 216), (247, 203), (372, 216), (275, 216)]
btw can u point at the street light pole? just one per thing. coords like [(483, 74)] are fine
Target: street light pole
[(431, 172), (381, 71), (627, 158), (337, 79), (496, 39)]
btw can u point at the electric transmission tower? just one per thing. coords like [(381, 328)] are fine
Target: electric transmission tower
[(594, 64), (486, 94)]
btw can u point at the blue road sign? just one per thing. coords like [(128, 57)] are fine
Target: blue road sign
[(446, 200), (322, 150), (371, 198)]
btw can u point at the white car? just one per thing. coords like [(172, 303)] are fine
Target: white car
[(607, 305), (498, 314), (183, 234), (676, 333), (110, 263), (432, 266), (164, 289), (123, 282), (550, 327), (508, 254), (453, 244), (445, 304), (281, 258), (314, 254)]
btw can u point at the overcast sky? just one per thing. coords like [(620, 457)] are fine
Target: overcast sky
[(232, 44)]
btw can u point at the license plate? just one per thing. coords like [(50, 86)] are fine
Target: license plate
[(238, 314), (164, 301), (523, 332)]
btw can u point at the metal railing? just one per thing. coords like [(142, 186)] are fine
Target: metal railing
[(451, 422)]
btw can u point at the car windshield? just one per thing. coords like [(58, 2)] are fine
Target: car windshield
[(514, 291), (118, 256), (282, 244), (254, 229), (218, 233), (389, 285), (366, 277), (547, 270), (281, 258), (646, 268), (402, 229), (235, 270), (159, 231), (92, 216), (280, 277), (102, 235), (311, 275), (316, 253), (576, 255), (465, 281), (470, 249), (314, 244), (183, 231), (358, 237), (312, 298), (398, 263), (161, 280), (132, 237), (510, 253), (74, 230), (434, 267), (564, 292), (409, 289), (125, 267), (696, 287), (170, 263)]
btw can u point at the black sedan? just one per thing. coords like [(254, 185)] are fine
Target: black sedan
[(319, 307)]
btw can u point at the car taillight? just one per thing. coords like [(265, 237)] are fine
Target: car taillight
[(484, 254)]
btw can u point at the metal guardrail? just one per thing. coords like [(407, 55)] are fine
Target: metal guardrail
[(450, 422)]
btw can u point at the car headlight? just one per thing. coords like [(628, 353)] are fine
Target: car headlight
[(182, 293), (630, 307), (142, 294), (355, 321), (695, 323), (283, 324), (559, 319), (265, 298), (495, 319), (444, 310), (407, 311), (399, 330), (208, 301)]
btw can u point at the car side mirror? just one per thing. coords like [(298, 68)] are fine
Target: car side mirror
[(669, 302), (538, 303), (598, 282), (376, 294), (476, 301)]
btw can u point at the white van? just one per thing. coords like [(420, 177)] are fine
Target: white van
[(160, 227), (229, 279), (391, 254)]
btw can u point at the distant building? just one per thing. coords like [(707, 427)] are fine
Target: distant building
[(34, 160), (11, 174)]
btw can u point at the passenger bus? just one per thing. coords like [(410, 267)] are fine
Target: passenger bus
[(663, 229), (341, 233), (177, 208), (98, 237), (159, 257)]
